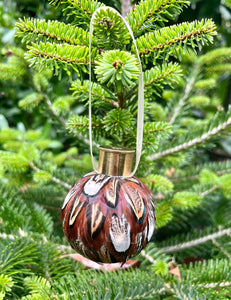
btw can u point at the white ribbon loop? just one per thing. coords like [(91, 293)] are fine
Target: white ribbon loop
[(140, 114)]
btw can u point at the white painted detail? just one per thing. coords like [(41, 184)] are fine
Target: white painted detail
[(69, 196), (120, 233), (151, 227), (94, 184), (151, 219), (139, 237), (145, 232)]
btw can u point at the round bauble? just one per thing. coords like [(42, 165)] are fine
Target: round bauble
[(108, 219)]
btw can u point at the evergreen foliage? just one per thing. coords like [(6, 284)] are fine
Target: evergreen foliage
[(44, 149), (149, 14)]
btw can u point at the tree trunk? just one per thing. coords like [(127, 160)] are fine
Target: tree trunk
[(125, 7)]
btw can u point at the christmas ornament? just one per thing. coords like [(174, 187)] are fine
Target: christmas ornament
[(108, 215)]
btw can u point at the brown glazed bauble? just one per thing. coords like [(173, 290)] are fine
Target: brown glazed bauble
[(107, 218)]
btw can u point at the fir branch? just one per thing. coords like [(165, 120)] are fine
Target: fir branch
[(166, 74), (196, 242), (158, 76), (54, 179), (9, 72), (219, 168), (118, 122), (215, 56), (148, 257), (205, 84), (185, 94), (226, 253), (222, 172), (171, 38), (153, 132), (52, 110), (156, 127), (62, 121), (55, 56), (80, 10), (13, 162), (216, 284), (109, 31), (62, 104), (211, 270), (192, 142), (149, 12), (6, 284), (16, 256), (81, 90), (219, 68), (31, 101), (205, 193), (15, 51), (39, 286), (21, 233), (34, 29), (194, 177), (117, 67), (79, 124)]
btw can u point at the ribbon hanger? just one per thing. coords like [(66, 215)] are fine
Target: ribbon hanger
[(140, 114)]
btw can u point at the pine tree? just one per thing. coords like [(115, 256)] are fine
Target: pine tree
[(185, 123)]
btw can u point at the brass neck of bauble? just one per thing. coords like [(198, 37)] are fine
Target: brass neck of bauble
[(115, 161)]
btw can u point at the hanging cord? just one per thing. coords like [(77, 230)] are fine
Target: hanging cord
[(140, 114)]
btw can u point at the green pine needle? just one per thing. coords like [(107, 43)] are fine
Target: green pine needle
[(79, 11), (117, 67), (57, 57), (174, 39), (148, 12), (31, 30)]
